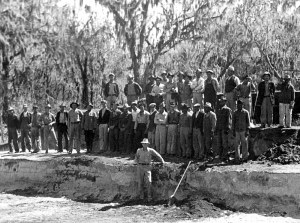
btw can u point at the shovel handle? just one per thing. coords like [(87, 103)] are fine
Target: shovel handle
[(181, 179)]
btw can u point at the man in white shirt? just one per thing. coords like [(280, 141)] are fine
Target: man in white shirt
[(161, 130), (197, 86)]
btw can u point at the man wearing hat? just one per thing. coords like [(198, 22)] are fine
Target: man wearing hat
[(151, 125), (89, 126), (36, 123), (12, 122), (48, 120), (161, 130), (180, 83), (197, 86), (148, 89), (224, 121), (197, 126), (25, 122), (103, 120), (75, 116), (211, 87), (132, 90), (185, 132), (265, 100), (113, 126), (209, 126), (111, 91), (158, 91), (187, 92), (240, 129), (61, 119), (244, 92), (125, 135), (143, 159), (172, 129), (140, 126), (230, 84), (286, 101), (169, 88)]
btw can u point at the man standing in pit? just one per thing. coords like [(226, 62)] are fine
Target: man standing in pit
[(36, 129), (25, 123), (240, 129), (132, 90), (75, 116), (230, 84), (12, 122), (62, 128), (89, 126), (197, 86), (111, 91), (143, 159)]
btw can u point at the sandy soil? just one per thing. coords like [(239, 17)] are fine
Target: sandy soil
[(15, 208)]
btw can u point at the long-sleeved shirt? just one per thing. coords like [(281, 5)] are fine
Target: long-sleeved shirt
[(12, 121), (224, 118), (161, 118), (141, 118), (25, 120), (75, 116), (89, 120), (209, 122), (36, 120), (240, 120), (197, 85), (173, 117), (185, 120), (287, 94), (144, 156), (103, 116), (151, 125)]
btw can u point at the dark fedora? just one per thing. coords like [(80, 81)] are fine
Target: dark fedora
[(77, 105)]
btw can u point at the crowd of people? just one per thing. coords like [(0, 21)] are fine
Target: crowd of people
[(179, 116)]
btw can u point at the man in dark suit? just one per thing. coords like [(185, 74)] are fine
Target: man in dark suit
[(197, 125), (111, 91), (61, 120), (265, 99), (103, 120)]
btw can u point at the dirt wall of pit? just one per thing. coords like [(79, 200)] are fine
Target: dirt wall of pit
[(255, 188)]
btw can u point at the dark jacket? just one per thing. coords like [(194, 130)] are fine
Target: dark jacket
[(137, 88), (287, 93), (105, 118), (116, 89), (57, 118), (25, 121), (12, 121), (261, 91), (224, 118), (197, 123), (240, 121)]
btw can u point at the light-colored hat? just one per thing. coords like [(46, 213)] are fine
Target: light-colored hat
[(25, 106), (266, 73), (134, 102), (145, 141), (48, 106), (152, 105), (35, 106), (111, 74), (10, 108), (126, 106), (210, 72), (103, 102), (208, 105), (231, 68), (130, 76), (197, 105)]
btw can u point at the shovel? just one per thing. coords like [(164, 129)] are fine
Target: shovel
[(172, 197)]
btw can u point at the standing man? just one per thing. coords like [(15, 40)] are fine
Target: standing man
[(75, 116), (158, 92), (12, 122), (140, 126), (125, 135), (224, 120), (103, 120), (197, 86), (286, 102), (35, 129), (148, 90), (143, 159), (211, 86), (197, 126), (172, 127), (48, 120), (62, 128), (161, 131), (169, 88), (89, 125), (209, 126), (240, 129), (187, 92), (180, 83), (25, 123), (265, 99), (185, 131), (132, 90), (244, 91), (151, 125), (230, 84), (113, 126), (111, 91)]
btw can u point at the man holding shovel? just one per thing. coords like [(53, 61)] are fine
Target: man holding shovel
[(143, 159)]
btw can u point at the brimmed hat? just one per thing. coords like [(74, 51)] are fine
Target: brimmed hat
[(74, 103), (126, 106), (210, 72), (145, 141), (223, 98), (47, 106), (231, 68), (197, 105), (164, 72), (266, 74), (10, 108), (152, 105), (247, 77), (170, 75), (90, 104), (62, 105), (151, 77), (120, 106), (35, 106), (184, 106), (25, 106), (111, 74), (208, 105), (134, 103), (130, 76), (103, 102), (199, 70)]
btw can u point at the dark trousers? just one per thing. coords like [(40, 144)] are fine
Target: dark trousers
[(62, 131), (139, 135), (89, 139), (13, 138), (125, 141), (114, 139)]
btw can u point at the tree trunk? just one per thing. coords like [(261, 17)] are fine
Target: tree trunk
[(5, 78)]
